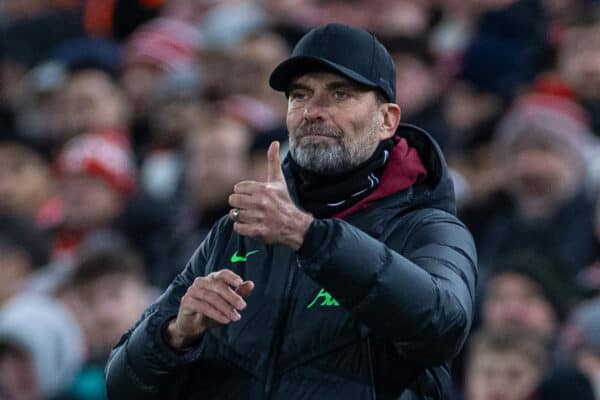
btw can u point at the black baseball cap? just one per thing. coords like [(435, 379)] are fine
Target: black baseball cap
[(351, 52)]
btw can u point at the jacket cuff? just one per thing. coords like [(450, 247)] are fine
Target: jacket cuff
[(316, 236), (151, 351)]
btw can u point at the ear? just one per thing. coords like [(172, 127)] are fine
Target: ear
[(390, 119)]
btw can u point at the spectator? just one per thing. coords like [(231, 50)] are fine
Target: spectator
[(176, 110), (27, 187), (541, 203), (526, 292), (579, 352), (507, 365), (113, 287), (578, 64), (43, 345), (97, 179), (92, 101), (419, 87), (159, 46), (251, 101), (23, 249), (58, 343), (218, 157)]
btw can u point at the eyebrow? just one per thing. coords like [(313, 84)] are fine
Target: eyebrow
[(346, 85), (342, 84), (296, 86)]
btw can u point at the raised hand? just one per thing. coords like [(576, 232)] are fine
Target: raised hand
[(217, 298), (265, 210)]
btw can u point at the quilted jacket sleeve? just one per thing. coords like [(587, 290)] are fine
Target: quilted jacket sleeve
[(417, 289), (142, 365)]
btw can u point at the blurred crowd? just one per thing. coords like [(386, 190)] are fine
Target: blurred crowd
[(124, 125)]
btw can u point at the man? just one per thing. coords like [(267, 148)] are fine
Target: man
[(344, 276)]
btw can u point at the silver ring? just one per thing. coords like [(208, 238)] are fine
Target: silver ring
[(235, 214)]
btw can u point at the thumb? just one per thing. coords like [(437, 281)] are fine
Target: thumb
[(274, 172)]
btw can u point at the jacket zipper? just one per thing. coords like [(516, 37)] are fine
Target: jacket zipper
[(280, 326), (371, 374)]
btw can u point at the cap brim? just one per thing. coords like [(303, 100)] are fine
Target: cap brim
[(283, 74)]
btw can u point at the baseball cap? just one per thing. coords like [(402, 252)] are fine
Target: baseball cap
[(351, 52)]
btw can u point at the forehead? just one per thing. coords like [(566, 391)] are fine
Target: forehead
[(514, 282), (322, 78)]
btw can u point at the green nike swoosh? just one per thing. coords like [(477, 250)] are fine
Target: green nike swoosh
[(235, 258)]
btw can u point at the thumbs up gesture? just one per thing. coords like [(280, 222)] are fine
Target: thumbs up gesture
[(265, 210)]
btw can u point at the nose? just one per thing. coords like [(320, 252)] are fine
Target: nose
[(316, 108)]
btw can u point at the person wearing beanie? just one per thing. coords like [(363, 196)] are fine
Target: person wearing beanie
[(161, 46), (345, 275), (527, 291), (542, 203), (97, 176)]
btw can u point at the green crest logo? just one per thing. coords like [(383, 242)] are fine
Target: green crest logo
[(323, 299)]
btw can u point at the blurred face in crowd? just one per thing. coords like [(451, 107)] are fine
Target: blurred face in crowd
[(253, 62), (91, 100), (542, 181), (416, 84), (501, 375), (579, 61), (15, 266), (563, 11), (114, 303), (17, 376), (89, 202), (334, 124), (140, 82), (515, 301), (25, 181), (466, 108), (218, 160)]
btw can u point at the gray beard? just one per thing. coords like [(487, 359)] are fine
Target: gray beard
[(331, 158)]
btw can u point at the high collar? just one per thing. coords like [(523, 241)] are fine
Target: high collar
[(435, 190)]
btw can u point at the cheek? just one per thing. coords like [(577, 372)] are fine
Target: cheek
[(293, 118)]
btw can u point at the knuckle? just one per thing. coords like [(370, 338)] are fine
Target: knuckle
[(263, 202)]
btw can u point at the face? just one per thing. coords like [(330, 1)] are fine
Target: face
[(334, 124), (218, 159), (89, 202), (416, 83), (140, 82), (25, 180), (115, 303), (579, 61), (15, 266), (17, 375), (90, 101), (495, 375), (543, 181), (515, 301)]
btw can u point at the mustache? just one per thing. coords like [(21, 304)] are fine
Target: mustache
[(318, 129)]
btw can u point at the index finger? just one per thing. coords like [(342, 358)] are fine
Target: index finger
[(247, 187), (228, 277)]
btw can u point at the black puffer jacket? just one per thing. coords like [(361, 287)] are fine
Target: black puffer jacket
[(372, 305)]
